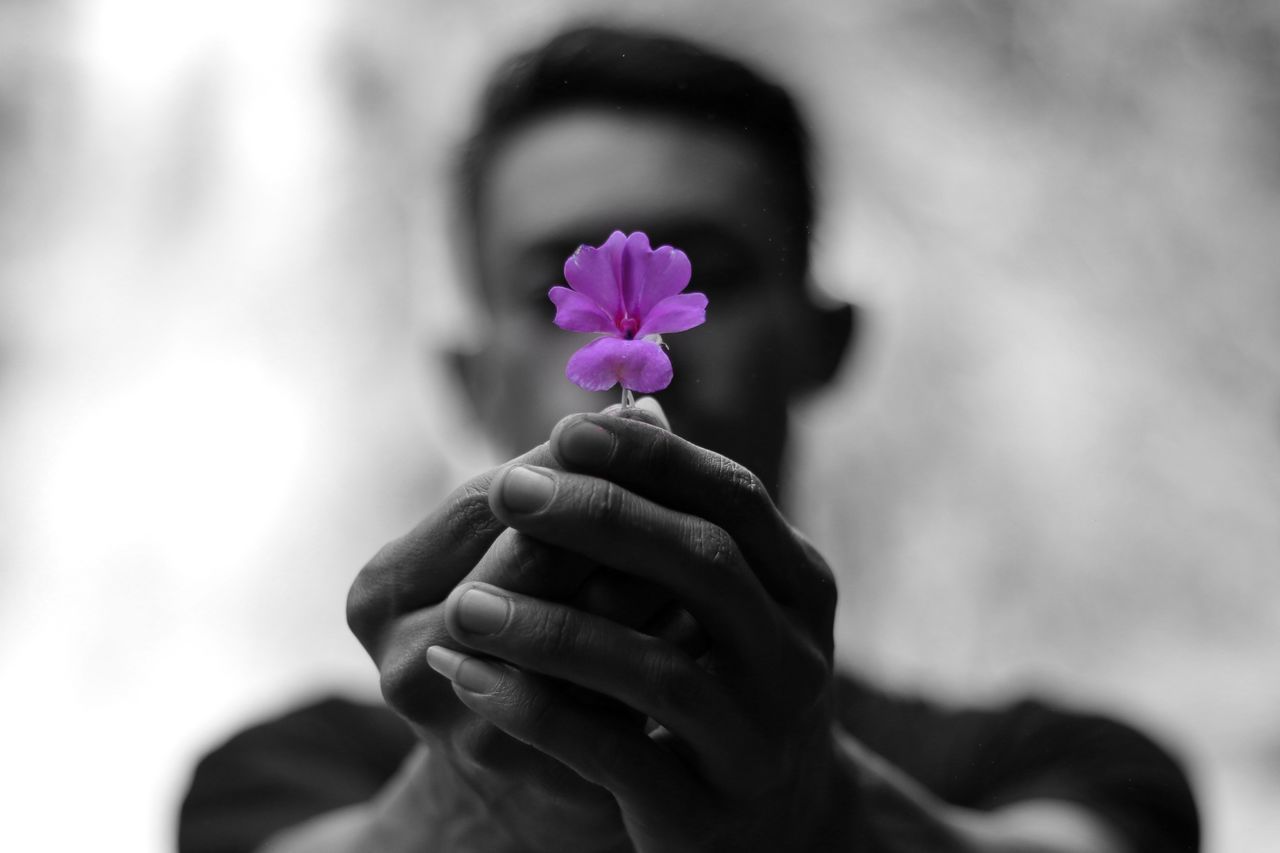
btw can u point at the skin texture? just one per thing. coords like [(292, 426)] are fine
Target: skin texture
[(573, 177), (397, 608), (577, 717), (656, 674), (745, 748)]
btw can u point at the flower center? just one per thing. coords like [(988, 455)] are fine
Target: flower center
[(629, 326)]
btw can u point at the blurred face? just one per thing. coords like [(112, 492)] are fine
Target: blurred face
[(572, 178)]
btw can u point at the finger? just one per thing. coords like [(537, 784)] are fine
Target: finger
[(407, 685), (622, 598), (646, 410), (653, 407), (421, 567), (503, 767), (520, 563), (610, 751), (673, 472), (640, 671), (515, 562), (694, 559)]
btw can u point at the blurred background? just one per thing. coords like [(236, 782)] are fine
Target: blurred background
[(224, 281)]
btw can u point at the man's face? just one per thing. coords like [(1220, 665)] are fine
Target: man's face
[(572, 178)]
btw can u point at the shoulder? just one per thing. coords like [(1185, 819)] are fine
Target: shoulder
[(318, 757), (1027, 748)]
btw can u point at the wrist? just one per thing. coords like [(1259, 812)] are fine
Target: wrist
[(525, 808), (879, 808), (424, 806), (429, 806), (836, 826), (886, 811)]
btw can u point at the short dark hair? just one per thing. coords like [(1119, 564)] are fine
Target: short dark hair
[(627, 68)]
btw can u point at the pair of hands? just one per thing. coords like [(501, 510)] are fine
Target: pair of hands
[(637, 647)]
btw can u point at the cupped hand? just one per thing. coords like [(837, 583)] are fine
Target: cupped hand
[(396, 609), (741, 750)]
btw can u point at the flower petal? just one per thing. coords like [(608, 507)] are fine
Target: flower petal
[(675, 314), (639, 365), (595, 272), (579, 313), (635, 270), (667, 274)]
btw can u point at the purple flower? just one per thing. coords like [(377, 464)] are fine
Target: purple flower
[(632, 294)]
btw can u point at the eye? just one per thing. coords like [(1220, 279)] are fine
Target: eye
[(723, 267), (535, 294), (529, 285), (724, 277)]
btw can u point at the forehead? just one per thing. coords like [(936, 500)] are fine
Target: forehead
[(572, 177)]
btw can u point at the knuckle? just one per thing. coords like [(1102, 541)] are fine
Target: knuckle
[(522, 564), (376, 594), (528, 555), (714, 547), (468, 509), (603, 504), (744, 491), (824, 583), (404, 687), (812, 672), (523, 560), (408, 685), (369, 606), (827, 597), (554, 632), (653, 448), (821, 589)]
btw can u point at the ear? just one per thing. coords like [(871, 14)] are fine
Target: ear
[(467, 366), (830, 333)]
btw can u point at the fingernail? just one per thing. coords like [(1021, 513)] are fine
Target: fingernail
[(444, 661), (481, 612), (465, 671), (585, 443), (526, 489)]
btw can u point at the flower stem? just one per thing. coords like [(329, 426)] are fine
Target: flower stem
[(628, 401)]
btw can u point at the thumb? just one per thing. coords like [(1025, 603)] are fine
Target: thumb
[(646, 409)]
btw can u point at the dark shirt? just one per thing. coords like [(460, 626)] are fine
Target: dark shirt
[(336, 753)]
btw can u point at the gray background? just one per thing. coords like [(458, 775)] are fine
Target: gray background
[(224, 279)]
